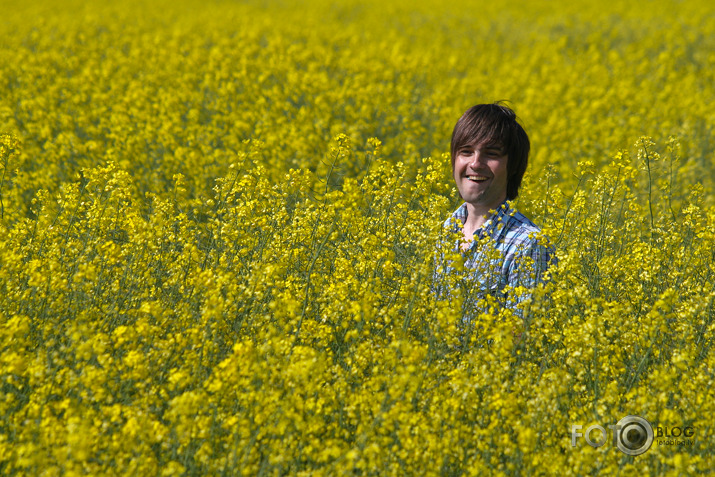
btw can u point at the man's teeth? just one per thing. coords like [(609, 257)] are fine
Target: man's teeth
[(476, 178)]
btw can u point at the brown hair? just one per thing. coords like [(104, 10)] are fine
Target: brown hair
[(496, 124)]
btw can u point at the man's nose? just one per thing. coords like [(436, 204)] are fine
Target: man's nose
[(476, 159)]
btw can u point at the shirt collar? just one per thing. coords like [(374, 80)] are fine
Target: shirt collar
[(492, 226)]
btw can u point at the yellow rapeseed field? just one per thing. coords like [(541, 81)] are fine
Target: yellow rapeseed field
[(218, 222)]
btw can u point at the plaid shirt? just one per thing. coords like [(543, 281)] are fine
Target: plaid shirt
[(504, 252)]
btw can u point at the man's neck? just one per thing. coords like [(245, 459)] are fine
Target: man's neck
[(477, 215)]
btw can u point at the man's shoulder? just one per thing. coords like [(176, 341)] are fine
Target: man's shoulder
[(519, 230), (522, 223)]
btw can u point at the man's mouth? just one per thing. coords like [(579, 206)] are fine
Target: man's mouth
[(477, 178)]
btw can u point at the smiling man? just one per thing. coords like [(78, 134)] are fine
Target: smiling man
[(490, 152)]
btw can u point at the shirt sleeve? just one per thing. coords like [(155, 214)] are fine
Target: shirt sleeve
[(528, 269)]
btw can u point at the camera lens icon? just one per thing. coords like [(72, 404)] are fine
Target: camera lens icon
[(635, 435)]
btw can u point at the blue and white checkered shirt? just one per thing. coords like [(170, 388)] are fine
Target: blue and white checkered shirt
[(505, 251)]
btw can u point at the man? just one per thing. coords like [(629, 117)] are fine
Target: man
[(490, 153)]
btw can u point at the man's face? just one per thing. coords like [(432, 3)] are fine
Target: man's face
[(480, 174)]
